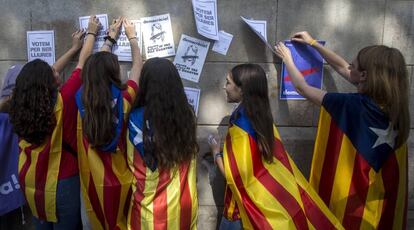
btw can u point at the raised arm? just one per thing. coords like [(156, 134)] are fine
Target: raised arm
[(313, 94), (77, 41), (337, 62), (113, 34), (136, 53), (93, 28)]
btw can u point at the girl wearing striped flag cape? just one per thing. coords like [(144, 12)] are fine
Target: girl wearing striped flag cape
[(265, 189), (359, 165)]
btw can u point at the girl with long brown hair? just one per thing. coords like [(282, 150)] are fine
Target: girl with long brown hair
[(359, 164)]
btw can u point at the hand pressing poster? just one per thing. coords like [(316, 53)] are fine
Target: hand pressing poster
[(99, 40), (259, 27), (193, 97), (205, 15), (309, 62), (190, 57), (41, 45), (158, 36), (122, 48)]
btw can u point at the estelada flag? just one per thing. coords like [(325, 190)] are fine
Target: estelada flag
[(356, 169), (161, 198), (105, 176), (269, 195), (39, 170)]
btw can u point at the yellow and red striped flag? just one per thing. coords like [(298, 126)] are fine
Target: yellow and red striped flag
[(39, 170), (269, 195), (355, 168)]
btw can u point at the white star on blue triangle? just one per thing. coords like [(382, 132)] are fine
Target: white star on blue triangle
[(385, 136)]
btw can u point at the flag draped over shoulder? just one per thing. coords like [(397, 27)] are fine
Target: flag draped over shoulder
[(356, 169), (161, 198), (269, 195), (39, 170), (105, 176)]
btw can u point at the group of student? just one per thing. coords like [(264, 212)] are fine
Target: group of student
[(125, 154)]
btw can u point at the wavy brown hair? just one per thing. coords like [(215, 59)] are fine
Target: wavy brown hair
[(251, 78), (32, 103), (100, 71), (171, 117), (387, 84)]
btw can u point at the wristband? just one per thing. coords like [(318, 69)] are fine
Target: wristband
[(132, 38), (217, 155), (313, 42), (91, 34), (113, 41)]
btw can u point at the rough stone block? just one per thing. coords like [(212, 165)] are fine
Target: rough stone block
[(399, 27), (346, 26)]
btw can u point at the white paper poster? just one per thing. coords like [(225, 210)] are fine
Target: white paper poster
[(99, 40), (259, 27), (122, 47), (193, 97), (41, 45), (191, 54), (158, 36), (205, 15), (222, 45)]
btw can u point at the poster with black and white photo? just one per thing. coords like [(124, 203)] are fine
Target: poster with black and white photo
[(205, 15), (41, 45), (122, 48), (190, 57), (158, 36), (99, 40), (193, 97)]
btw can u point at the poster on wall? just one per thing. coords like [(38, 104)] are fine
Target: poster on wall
[(205, 15), (122, 48), (193, 97), (158, 36), (41, 45), (259, 27), (222, 45), (191, 54), (99, 40), (309, 62)]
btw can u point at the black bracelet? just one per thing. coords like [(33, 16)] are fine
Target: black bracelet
[(132, 38), (110, 39), (91, 34)]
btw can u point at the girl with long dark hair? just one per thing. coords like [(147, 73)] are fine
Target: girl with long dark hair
[(265, 189), (103, 103), (359, 165), (43, 116), (162, 149)]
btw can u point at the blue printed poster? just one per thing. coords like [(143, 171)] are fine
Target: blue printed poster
[(309, 62)]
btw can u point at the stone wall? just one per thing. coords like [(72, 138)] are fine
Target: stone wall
[(346, 25)]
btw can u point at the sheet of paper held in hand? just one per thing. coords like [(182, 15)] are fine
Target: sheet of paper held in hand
[(122, 48), (99, 40)]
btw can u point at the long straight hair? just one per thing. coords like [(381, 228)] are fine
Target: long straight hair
[(100, 71), (387, 84), (251, 78), (170, 117), (33, 101)]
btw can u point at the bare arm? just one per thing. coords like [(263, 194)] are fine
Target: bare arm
[(213, 141), (136, 54), (93, 28), (77, 41), (113, 33), (337, 62), (313, 94)]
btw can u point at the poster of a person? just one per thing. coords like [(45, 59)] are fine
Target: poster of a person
[(103, 20), (191, 54), (41, 45), (259, 27), (122, 48), (193, 97), (205, 15), (158, 36), (222, 45), (309, 63)]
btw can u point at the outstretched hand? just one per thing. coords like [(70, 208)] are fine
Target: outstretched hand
[(115, 27), (129, 29), (94, 25), (214, 143), (77, 39), (283, 52), (303, 37)]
